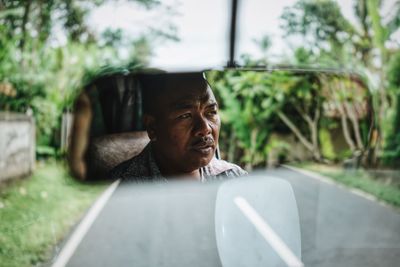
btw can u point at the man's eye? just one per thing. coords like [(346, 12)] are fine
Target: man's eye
[(213, 112), (184, 116)]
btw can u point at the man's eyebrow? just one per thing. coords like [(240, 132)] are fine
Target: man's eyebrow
[(182, 105), (190, 105)]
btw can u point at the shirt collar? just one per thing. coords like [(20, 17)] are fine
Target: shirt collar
[(155, 170)]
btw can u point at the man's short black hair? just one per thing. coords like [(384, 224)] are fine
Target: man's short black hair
[(155, 86)]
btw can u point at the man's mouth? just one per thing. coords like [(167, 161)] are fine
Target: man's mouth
[(204, 147)]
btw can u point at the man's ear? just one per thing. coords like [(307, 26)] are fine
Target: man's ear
[(149, 122)]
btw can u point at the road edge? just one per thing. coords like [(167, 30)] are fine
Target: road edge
[(73, 242), (330, 181)]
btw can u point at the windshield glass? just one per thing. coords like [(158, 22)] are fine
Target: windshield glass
[(95, 94)]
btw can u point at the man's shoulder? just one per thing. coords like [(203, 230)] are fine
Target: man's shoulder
[(219, 167), (133, 167)]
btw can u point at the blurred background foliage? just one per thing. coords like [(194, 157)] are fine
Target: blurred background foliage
[(263, 108), (359, 66), (41, 75), (343, 76)]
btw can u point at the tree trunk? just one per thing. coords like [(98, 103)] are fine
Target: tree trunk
[(343, 117), (232, 147), (25, 18), (44, 25), (379, 38), (253, 148), (345, 127), (308, 145), (356, 128), (314, 138)]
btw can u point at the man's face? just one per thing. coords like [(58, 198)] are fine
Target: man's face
[(186, 128)]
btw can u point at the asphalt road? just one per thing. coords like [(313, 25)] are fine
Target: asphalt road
[(338, 228), (153, 231)]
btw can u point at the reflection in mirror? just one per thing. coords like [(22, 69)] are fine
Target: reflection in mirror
[(107, 125), (112, 113), (268, 118), (295, 115)]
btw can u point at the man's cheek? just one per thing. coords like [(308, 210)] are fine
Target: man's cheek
[(178, 141), (175, 140)]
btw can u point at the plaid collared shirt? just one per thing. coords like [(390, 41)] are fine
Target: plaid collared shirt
[(143, 167)]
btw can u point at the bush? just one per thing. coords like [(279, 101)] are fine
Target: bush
[(391, 154)]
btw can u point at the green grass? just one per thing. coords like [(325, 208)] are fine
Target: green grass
[(37, 212), (359, 179)]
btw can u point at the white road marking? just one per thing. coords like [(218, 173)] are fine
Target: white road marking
[(70, 247), (330, 181), (311, 174), (268, 233)]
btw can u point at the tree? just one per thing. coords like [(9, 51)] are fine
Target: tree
[(362, 46), (348, 97), (391, 154), (36, 75), (252, 101), (244, 119), (322, 26)]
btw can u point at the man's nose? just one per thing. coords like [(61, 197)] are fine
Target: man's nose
[(202, 126)]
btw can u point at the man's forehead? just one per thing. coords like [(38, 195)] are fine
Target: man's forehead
[(166, 91), (190, 96)]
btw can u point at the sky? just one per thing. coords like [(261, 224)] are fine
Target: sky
[(203, 28)]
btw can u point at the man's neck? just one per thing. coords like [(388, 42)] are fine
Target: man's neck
[(168, 170)]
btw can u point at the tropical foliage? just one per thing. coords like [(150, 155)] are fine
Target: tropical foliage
[(256, 104), (47, 50), (345, 84)]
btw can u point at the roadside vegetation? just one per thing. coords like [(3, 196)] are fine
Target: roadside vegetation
[(342, 82), (38, 211), (48, 52), (384, 185)]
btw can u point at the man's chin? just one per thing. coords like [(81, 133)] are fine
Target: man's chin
[(201, 158)]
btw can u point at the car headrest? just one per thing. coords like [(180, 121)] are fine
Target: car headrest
[(107, 151)]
